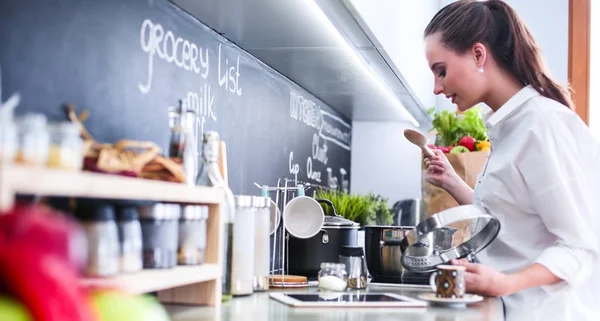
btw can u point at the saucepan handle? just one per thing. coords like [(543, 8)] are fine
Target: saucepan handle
[(328, 202)]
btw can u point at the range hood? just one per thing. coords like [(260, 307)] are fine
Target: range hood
[(323, 46)]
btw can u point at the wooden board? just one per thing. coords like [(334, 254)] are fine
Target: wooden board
[(157, 279)]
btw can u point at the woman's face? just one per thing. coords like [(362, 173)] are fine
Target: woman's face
[(456, 76)]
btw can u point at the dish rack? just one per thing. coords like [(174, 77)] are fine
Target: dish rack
[(285, 191)]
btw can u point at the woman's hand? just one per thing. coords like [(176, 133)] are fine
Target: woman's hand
[(439, 172), (483, 280)]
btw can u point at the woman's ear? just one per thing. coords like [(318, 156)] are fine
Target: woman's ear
[(479, 54)]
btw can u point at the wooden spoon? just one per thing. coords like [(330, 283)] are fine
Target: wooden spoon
[(420, 140)]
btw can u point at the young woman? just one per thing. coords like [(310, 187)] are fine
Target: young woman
[(542, 178)]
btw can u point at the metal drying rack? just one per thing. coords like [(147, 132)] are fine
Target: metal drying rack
[(282, 197)]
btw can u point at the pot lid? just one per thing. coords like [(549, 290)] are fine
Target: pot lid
[(455, 233), (338, 221)]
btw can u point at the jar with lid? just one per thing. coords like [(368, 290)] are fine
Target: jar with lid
[(130, 239), (8, 136), (66, 146), (98, 221), (192, 235), (34, 140), (333, 277), (159, 235), (354, 260), (262, 222), (242, 270)]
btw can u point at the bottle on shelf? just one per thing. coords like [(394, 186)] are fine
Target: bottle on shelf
[(209, 175)]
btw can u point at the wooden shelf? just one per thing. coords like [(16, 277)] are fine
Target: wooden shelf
[(54, 182), (199, 285), (154, 280)]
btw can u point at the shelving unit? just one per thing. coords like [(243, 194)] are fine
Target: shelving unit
[(199, 285)]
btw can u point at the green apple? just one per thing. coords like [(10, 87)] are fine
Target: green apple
[(116, 306), (459, 149), (12, 310)]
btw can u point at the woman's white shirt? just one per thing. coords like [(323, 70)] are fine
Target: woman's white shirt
[(542, 182)]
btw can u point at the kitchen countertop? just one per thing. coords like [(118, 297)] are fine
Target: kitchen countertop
[(260, 307)]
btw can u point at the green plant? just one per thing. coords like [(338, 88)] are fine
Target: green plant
[(362, 209)]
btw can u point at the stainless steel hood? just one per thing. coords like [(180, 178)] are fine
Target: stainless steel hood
[(323, 46)]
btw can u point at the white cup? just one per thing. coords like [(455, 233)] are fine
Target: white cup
[(303, 216)]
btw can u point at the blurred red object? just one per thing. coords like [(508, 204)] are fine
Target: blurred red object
[(47, 230), (41, 254)]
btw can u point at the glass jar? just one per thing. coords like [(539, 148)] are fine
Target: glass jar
[(98, 221), (130, 239), (159, 235), (333, 277), (66, 146), (262, 222), (8, 138), (192, 235), (34, 140), (354, 260), (242, 270)]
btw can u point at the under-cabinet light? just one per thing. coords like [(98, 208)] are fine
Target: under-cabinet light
[(360, 61)]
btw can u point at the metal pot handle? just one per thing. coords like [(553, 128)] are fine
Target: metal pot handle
[(328, 202), (324, 237)]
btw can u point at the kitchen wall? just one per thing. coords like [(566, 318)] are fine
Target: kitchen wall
[(382, 161)]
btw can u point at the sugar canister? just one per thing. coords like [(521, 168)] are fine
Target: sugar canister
[(242, 272), (262, 221)]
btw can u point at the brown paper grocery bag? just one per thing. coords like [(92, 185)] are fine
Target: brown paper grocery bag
[(467, 166)]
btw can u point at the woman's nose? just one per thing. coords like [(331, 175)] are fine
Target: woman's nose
[(438, 88)]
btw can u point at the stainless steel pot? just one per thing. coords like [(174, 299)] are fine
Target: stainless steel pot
[(306, 255), (386, 245), (383, 250)]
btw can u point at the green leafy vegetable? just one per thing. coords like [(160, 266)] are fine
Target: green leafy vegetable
[(451, 126)]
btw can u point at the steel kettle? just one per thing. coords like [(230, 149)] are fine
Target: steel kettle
[(408, 212)]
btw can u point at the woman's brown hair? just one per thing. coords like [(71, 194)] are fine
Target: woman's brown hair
[(495, 24)]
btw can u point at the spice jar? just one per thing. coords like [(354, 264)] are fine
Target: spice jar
[(242, 270), (34, 140), (159, 235), (262, 222), (333, 277), (98, 221), (192, 235), (66, 146), (353, 258), (130, 239)]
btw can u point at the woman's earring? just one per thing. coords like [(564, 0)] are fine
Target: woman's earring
[(481, 70)]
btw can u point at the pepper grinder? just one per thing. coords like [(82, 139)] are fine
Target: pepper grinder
[(356, 266)]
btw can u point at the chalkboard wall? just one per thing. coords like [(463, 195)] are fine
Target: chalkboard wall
[(127, 61)]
